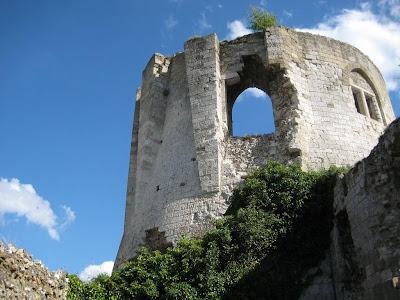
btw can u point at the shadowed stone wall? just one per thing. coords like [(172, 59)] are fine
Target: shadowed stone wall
[(366, 265), (363, 261)]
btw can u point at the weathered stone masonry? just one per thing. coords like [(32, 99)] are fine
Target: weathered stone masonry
[(363, 261), (329, 101), (24, 278), (369, 198)]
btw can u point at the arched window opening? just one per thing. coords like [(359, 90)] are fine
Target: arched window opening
[(364, 97), (252, 113)]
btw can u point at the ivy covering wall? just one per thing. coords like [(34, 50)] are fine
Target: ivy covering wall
[(275, 229)]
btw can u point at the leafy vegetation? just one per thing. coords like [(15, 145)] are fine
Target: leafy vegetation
[(261, 19), (275, 229)]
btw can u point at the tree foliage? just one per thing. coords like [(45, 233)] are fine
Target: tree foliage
[(260, 19), (276, 228)]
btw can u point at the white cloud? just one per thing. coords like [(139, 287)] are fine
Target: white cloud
[(219, 5), (54, 234), (374, 34), (236, 29), (22, 199), (252, 93), (256, 93), (171, 22), (263, 3), (93, 271)]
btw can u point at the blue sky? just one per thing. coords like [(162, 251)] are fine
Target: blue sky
[(69, 71)]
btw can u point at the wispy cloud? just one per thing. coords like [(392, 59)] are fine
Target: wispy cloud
[(263, 3), (390, 6), (93, 271), (287, 14), (374, 33), (171, 22), (219, 5), (236, 29), (203, 23), (69, 217), (22, 200)]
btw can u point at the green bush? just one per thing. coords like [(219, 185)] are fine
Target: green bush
[(261, 19), (275, 229)]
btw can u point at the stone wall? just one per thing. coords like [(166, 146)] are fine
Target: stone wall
[(23, 278), (363, 261), (366, 263), (329, 101)]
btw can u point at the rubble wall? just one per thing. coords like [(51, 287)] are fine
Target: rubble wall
[(21, 277)]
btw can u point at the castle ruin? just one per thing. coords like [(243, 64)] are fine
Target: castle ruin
[(330, 105)]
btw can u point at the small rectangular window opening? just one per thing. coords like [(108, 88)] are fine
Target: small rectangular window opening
[(371, 108), (356, 103)]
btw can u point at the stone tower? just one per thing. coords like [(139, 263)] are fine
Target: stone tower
[(330, 105)]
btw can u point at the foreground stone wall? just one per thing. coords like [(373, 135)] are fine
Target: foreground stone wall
[(366, 237), (363, 261), (329, 101), (23, 278)]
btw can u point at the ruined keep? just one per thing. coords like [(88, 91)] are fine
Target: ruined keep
[(330, 105)]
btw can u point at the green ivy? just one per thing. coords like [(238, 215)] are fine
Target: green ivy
[(275, 229)]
